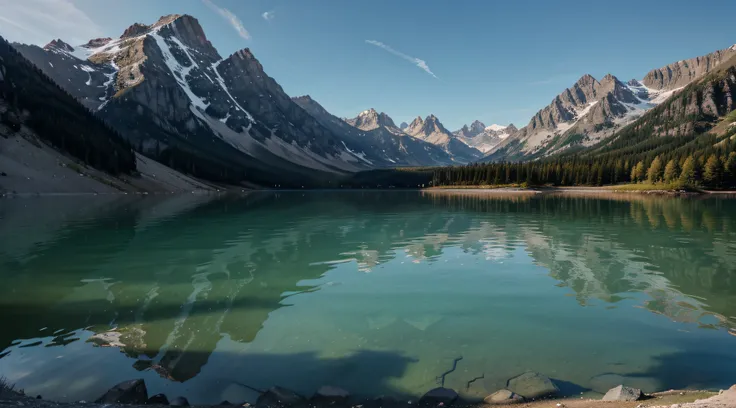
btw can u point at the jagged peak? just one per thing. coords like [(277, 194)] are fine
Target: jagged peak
[(170, 18), (367, 112), (135, 30), (59, 44), (245, 54), (585, 80), (97, 42), (303, 98)]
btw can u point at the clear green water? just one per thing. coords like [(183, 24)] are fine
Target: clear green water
[(375, 292)]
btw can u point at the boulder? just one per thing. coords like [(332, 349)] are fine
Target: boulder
[(622, 393), (331, 395), (503, 397), (127, 392), (437, 396), (279, 397), (179, 402), (532, 385), (158, 399)]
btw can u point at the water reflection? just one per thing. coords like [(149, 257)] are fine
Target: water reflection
[(377, 292)]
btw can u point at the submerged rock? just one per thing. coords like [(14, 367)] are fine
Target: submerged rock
[(158, 399), (438, 396), (532, 385), (503, 397), (179, 402), (331, 395), (622, 393), (127, 392), (280, 397)]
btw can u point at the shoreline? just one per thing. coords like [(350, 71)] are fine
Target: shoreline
[(448, 189), (133, 393)]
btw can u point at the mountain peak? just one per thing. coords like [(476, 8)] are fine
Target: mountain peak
[(60, 45), (135, 30), (586, 80), (370, 119), (403, 125), (306, 98)]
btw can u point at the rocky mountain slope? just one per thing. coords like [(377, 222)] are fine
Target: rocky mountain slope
[(482, 137), (49, 143), (706, 105), (432, 131), (591, 111), (166, 89), (376, 137)]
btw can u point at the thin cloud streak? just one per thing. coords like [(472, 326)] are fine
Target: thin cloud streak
[(230, 17), (268, 15), (416, 61)]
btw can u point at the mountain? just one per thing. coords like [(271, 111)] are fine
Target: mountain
[(683, 72), (375, 138), (431, 130), (370, 119), (591, 111), (50, 143), (482, 137), (704, 106), (166, 89), (403, 125)]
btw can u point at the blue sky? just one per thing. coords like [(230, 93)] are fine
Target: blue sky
[(494, 60)]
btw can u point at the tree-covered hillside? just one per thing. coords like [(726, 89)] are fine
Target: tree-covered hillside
[(28, 97)]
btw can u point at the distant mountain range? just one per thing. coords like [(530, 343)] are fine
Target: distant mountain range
[(166, 90), (591, 112)]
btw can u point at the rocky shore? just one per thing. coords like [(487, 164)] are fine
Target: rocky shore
[(529, 389)]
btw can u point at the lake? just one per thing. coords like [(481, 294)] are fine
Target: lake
[(380, 293)]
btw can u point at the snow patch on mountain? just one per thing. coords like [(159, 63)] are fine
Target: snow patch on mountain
[(496, 128)]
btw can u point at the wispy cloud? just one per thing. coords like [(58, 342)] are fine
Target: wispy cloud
[(40, 21), (229, 16), (416, 61), (268, 15)]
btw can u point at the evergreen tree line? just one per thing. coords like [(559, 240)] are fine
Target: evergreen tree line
[(57, 117), (703, 161)]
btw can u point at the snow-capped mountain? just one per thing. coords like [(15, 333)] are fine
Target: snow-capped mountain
[(377, 137), (166, 89), (482, 137), (591, 111), (431, 130)]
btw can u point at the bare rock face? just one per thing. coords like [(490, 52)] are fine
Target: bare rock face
[(135, 30), (127, 392), (683, 72), (622, 393)]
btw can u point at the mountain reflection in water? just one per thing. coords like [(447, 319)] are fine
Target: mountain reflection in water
[(377, 292)]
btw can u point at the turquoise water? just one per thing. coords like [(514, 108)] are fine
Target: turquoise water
[(376, 292)]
